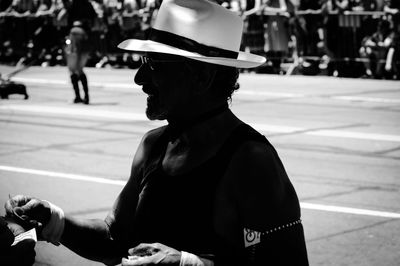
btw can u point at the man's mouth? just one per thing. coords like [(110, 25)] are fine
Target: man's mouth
[(151, 97), (149, 90), (152, 100)]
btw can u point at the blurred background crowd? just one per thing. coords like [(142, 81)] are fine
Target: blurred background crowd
[(345, 38)]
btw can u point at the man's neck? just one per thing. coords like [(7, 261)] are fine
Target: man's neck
[(209, 132)]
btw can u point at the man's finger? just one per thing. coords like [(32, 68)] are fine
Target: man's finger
[(142, 249), (32, 209), (15, 201), (14, 227), (27, 208), (143, 260)]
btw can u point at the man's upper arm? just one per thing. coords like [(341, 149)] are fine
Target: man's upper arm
[(262, 189), (266, 200)]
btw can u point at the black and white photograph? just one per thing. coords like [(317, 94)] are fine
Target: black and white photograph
[(200, 132)]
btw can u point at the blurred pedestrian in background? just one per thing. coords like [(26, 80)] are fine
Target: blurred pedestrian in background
[(77, 55), (81, 15)]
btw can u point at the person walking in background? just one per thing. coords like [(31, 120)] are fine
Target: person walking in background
[(81, 15), (77, 55)]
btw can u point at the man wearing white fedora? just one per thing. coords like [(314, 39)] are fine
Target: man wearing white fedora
[(207, 189)]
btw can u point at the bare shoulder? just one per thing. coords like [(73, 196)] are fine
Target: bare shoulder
[(147, 143), (256, 161), (151, 136)]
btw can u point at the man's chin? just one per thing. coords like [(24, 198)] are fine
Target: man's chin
[(155, 115)]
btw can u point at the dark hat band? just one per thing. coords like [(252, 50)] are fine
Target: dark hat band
[(189, 44)]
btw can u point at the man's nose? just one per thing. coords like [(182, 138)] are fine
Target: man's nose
[(142, 75)]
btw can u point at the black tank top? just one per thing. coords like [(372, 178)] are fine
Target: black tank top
[(178, 210)]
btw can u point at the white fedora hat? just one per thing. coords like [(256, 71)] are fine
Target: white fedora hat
[(197, 29)]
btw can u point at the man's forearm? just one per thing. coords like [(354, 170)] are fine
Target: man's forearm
[(90, 238)]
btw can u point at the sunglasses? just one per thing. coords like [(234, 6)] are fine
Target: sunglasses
[(153, 64)]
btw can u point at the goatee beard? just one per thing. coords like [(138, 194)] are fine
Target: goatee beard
[(154, 111), (153, 115)]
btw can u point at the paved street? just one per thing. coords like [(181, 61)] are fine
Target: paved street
[(338, 138)]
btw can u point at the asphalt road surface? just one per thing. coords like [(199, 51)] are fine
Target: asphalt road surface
[(338, 138)]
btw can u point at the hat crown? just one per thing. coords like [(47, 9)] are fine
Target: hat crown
[(202, 21)]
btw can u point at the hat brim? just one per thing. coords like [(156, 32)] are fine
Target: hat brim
[(244, 60)]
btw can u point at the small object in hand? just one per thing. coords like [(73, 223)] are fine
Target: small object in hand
[(30, 234)]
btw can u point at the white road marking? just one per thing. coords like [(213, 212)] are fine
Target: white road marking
[(270, 94), (67, 82), (63, 175), (128, 116), (326, 133), (276, 128), (41, 81), (365, 99), (99, 180), (354, 135), (332, 208), (76, 111)]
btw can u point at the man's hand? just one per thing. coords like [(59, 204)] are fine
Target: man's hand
[(21, 254), (152, 254), (27, 211)]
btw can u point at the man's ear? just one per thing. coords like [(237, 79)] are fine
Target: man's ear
[(204, 77)]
